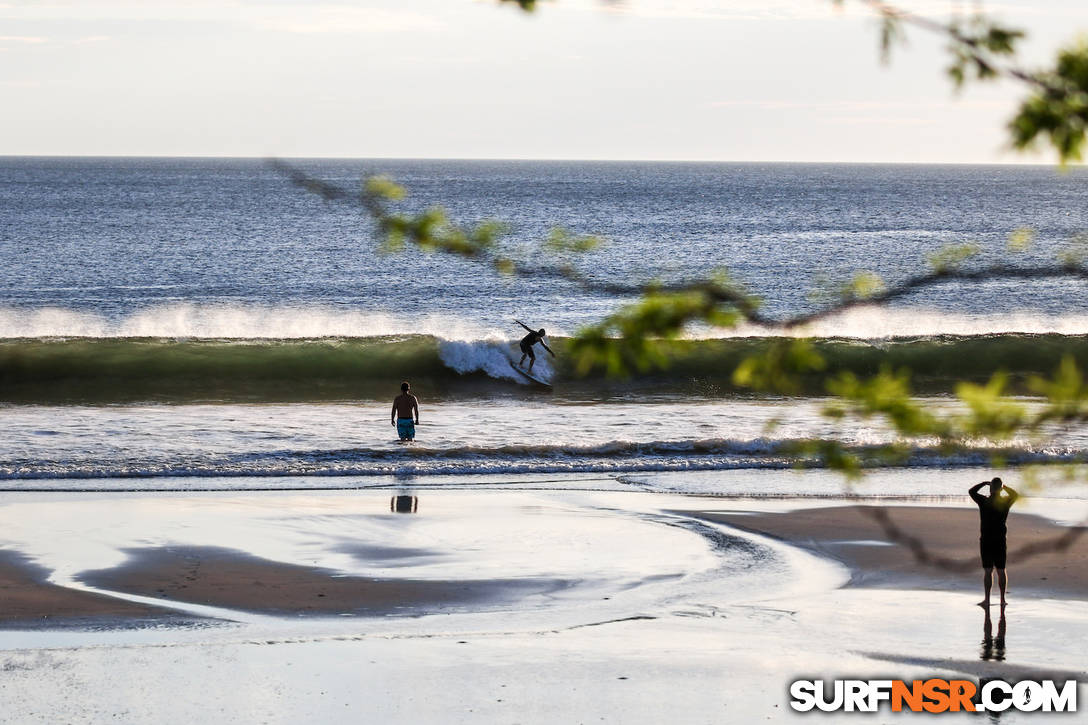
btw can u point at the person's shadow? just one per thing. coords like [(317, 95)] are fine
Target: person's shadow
[(993, 648)]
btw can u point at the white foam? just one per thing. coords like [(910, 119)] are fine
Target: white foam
[(492, 356), (52, 322), (189, 320), (237, 321)]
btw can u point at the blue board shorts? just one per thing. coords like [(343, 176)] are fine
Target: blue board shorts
[(406, 429)]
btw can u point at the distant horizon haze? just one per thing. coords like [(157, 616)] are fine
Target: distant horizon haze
[(763, 81)]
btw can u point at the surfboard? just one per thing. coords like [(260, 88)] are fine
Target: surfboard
[(528, 376)]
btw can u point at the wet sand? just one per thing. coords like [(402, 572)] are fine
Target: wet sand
[(496, 606), (935, 547), (236, 580), (28, 599), (233, 579)]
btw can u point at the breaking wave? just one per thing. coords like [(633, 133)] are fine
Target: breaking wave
[(117, 370)]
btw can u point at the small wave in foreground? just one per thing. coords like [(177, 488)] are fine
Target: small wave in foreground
[(612, 457)]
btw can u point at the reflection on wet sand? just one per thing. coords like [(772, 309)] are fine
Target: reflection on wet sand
[(404, 504), (993, 648)]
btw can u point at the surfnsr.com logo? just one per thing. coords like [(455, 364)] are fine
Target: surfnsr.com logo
[(933, 695)]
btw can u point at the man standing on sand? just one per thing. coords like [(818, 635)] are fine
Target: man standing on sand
[(527, 343), (993, 510), (404, 405)]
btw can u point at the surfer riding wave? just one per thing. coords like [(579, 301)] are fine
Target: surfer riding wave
[(527, 343)]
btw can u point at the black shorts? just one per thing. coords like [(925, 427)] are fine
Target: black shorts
[(993, 552), (528, 350)]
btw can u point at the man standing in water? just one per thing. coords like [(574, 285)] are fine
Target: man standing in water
[(527, 343), (404, 405), (993, 510)]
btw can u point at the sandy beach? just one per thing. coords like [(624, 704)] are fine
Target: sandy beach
[(855, 537), (27, 597), (492, 606), (235, 580)]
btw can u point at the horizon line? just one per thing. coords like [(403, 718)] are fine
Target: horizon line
[(328, 157)]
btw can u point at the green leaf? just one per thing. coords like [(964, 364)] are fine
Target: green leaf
[(1057, 112), (1066, 393), (991, 413), (1074, 254), (561, 241), (949, 258), (865, 285), (891, 34), (526, 5), (1020, 240), (887, 394), (781, 368), (383, 187)]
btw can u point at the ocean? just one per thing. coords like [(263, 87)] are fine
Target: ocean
[(203, 323)]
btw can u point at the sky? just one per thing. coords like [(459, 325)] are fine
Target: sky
[(732, 80)]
